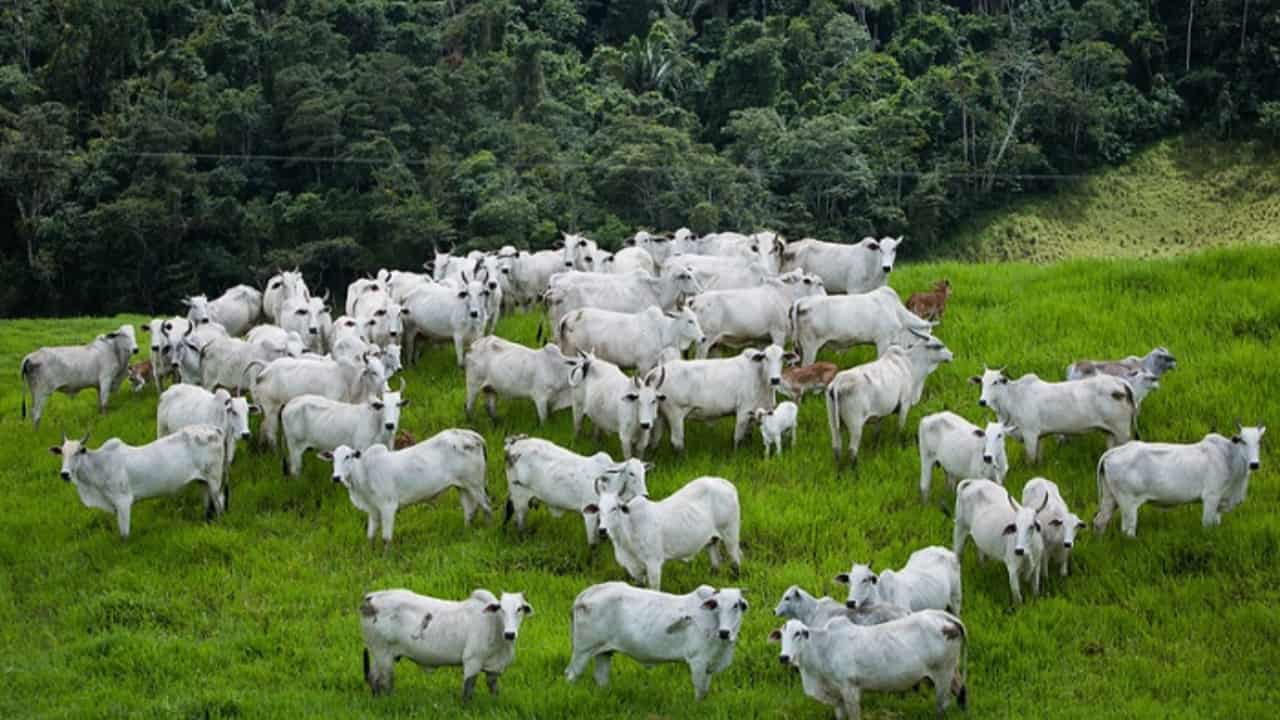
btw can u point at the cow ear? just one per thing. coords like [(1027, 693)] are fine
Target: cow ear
[(775, 637), (492, 608), (1080, 525), (591, 509), (377, 405), (255, 409), (356, 454), (757, 356), (710, 604), (404, 402), (975, 379), (55, 449), (979, 432), (843, 578), (1055, 522), (325, 455), (1010, 529), (873, 246)]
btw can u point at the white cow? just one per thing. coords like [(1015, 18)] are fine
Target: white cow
[(1214, 472), (841, 660), (499, 367), (930, 579), (288, 378), (629, 259), (699, 629), (712, 389), (116, 475), (746, 315), (184, 405), (614, 402), (274, 337), (162, 330), (657, 246), (798, 604), (1002, 530), (961, 449), (361, 287), (381, 481), (226, 362), (1038, 408), (877, 317), (1060, 524), (776, 423), (312, 422), (284, 285), (629, 340), (478, 633), (1157, 362), (102, 365), (448, 312), (856, 268), (632, 292), (308, 317), (237, 309), (581, 253), (564, 481), (645, 534), (720, 272), (892, 383), (529, 273)]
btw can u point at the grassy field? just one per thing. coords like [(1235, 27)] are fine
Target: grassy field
[(1178, 196), (254, 615)]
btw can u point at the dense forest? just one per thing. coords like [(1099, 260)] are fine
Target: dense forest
[(153, 148)]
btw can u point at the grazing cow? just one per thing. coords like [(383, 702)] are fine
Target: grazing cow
[(877, 317), (529, 274), (892, 383), (284, 285), (930, 579), (841, 660), (1061, 526), (614, 402), (564, 481), (712, 389), (858, 268), (743, 316), (499, 367), (1214, 472), (645, 534), (1038, 408), (162, 332), (478, 633), (102, 364), (447, 312), (961, 449), (237, 309), (775, 423), (800, 380), (629, 340), (141, 373), (1001, 529), (116, 475), (312, 422), (184, 405), (699, 629), (288, 378), (931, 305), (381, 481), (632, 292), (308, 317), (1157, 362)]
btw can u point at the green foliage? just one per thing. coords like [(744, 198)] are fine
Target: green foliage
[(210, 135)]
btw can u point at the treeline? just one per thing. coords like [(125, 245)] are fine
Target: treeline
[(153, 148)]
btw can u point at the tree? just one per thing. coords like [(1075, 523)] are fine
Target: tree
[(37, 165)]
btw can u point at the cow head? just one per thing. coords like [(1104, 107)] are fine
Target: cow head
[(685, 329), (474, 297), (579, 253), (1249, 440), (727, 606), (440, 266), (886, 250), (626, 478), (74, 453), (122, 340), (686, 281), (795, 602), (391, 359), (511, 610), (159, 342), (1142, 381), (643, 397), (237, 414), (345, 461), (992, 383), (1069, 526), (993, 449), (770, 363), (610, 510), (863, 586), (1025, 525), (793, 636), (388, 407), (1159, 361), (198, 310)]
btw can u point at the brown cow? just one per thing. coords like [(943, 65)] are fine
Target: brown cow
[(140, 374), (931, 305), (797, 381), (404, 439)]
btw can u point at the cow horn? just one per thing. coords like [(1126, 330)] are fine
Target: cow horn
[(596, 485), (1043, 504), (1012, 504), (64, 434), (325, 299), (1239, 427), (85, 439), (918, 334), (190, 329), (401, 386)]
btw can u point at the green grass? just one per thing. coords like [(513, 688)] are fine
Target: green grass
[(1177, 196), (254, 615)]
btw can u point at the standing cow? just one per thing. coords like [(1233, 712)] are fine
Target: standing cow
[(501, 368), (961, 449), (1002, 529), (102, 364), (877, 317), (237, 310), (856, 268)]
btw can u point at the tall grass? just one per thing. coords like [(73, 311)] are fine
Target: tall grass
[(254, 615)]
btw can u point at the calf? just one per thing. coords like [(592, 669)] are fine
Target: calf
[(744, 316), (498, 367), (116, 475), (798, 381), (1060, 530), (404, 439), (645, 534), (288, 378), (478, 633), (381, 481), (1038, 408), (877, 317), (931, 305), (312, 422), (564, 481), (141, 373), (1002, 529), (841, 660), (446, 311), (102, 365), (699, 629), (237, 309), (930, 579), (774, 424), (961, 449), (629, 340), (892, 383), (184, 405), (712, 389), (614, 402), (1157, 362), (1214, 471)]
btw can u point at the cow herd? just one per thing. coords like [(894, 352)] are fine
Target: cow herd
[(731, 304)]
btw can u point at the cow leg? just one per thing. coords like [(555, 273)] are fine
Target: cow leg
[(604, 663), (577, 664), (124, 508), (941, 692), (1129, 519), (38, 400), (959, 535), (855, 441), (294, 466), (371, 528), (653, 575), (677, 431), (852, 701), (473, 389), (1036, 573), (701, 681), (460, 352), (1066, 562), (1015, 591), (491, 405), (104, 394), (540, 405), (491, 679), (713, 554), (469, 682), (1031, 443), (740, 427), (468, 507), (577, 419), (926, 474), (1210, 515)]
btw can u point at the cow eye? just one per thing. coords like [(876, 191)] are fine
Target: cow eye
[(299, 312), (462, 294), (485, 293)]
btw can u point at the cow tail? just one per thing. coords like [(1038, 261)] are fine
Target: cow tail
[(508, 512), (962, 696), (26, 370), (1104, 492), (538, 338), (366, 666), (833, 414)]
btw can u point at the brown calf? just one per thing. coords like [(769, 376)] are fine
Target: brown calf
[(797, 381), (931, 305), (404, 439), (140, 374)]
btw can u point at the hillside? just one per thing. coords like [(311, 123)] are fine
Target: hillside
[(1178, 196), (254, 615)]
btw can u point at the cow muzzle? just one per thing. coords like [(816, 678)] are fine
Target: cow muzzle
[(1066, 545), (724, 634), (245, 435), (568, 265), (314, 331), (65, 475), (337, 479), (602, 533), (982, 402), (1255, 465), (852, 604), (775, 381), (1019, 551), (987, 459), (646, 426), (887, 268), (784, 659), (134, 351), (475, 314), (389, 426), (509, 635)]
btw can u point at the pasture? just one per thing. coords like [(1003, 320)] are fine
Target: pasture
[(255, 615)]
